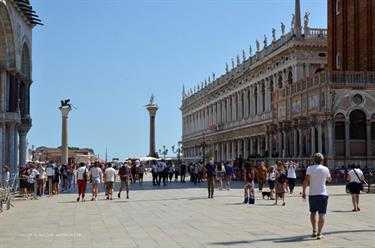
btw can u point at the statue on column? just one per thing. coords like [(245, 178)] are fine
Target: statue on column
[(273, 34), (282, 28), (306, 19), (152, 98), (258, 45)]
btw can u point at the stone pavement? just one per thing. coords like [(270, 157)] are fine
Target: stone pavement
[(180, 215)]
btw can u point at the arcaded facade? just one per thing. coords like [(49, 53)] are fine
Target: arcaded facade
[(17, 20), (283, 103)]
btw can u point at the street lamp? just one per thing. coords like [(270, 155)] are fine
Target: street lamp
[(178, 152), (163, 152)]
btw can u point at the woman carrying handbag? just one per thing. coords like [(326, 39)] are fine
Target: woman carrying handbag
[(355, 178)]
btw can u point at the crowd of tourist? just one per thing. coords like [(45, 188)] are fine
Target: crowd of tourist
[(273, 181)]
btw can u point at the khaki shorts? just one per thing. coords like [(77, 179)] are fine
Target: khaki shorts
[(109, 185)]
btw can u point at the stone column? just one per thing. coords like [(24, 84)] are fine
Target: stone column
[(368, 138), (2, 143), (245, 148), (152, 108), (64, 134), (233, 108), (246, 104), (251, 141), (320, 142), (285, 144), (239, 152), (258, 145), (11, 149), (300, 145), (347, 139), (295, 145), (270, 145), (233, 149), (280, 143), (330, 138), (223, 151), (227, 157), (266, 140), (22, 132), (313, 148)]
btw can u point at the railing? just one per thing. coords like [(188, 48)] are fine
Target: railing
[(316, 32), (352, 78)]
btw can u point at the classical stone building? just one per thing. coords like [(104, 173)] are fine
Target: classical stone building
[(17, 20), (284, 102)]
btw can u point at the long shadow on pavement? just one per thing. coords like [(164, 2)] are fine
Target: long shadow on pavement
[(293, 239)]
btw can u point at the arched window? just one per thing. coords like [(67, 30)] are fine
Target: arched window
[(290, 77), (280, 82), (357, 125)]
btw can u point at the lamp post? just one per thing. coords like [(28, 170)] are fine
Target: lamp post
[(178, 152), (163, 152)]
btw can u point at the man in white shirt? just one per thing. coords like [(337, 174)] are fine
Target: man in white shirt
[(161, 172), (110, 178), (292, 175), (316, 176)]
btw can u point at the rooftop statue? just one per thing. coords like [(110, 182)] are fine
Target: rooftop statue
[(243, 55), (273, 34), (306, 19), (282, 28), (258, 45), (226, 68), (265, 41), (293, 20)]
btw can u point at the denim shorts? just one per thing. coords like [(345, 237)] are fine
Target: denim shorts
[(318, 203)]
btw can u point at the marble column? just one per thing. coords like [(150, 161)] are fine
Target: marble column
[(300, 141), (64, 133), (313, 148), (320, 141), (251, 141), (22, 132), (270, 149), (258, 145), (280, 143), (295, 145), (234, 149), (227, 157), (2, 143), (239, 150), (245, 148), (11, 149), (347, 139), (246, 104), (330, 137), (285, 144), (368, 138), (222, 151)]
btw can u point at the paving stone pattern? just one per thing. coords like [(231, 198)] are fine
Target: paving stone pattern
[(180, 215)]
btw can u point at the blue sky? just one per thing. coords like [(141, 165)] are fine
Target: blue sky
[(109, 56)]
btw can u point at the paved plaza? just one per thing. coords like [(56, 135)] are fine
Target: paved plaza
[(180, 215)]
